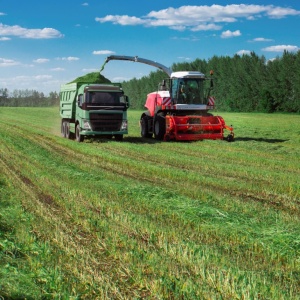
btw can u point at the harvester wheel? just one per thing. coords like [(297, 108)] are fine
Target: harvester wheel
[(78, 136), (159, 127), (230, 138), (144, 128)]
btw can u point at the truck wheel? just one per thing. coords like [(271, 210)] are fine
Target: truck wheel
[(159, 127), (63, 129), (78, 136), (144, 128), (119, 137), (67, 130), (69, 134)]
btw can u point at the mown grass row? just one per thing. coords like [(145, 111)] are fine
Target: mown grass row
[(145, 219)]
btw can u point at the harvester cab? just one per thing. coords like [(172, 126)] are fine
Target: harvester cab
[(179, 109), (187, 88)]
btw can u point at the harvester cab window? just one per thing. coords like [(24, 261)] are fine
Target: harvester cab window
[(189, 91), (175, 90)]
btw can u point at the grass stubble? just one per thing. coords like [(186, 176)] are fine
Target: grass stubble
[(145, 219)]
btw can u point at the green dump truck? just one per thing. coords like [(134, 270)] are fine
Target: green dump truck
[(93, 110)]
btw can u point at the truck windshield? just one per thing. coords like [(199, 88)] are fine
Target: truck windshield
[(188, 91), (100, 98)]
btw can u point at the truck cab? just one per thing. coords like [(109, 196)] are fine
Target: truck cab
[(93, 110)]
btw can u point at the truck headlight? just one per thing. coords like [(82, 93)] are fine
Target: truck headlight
[(86, 125), (124, 125)]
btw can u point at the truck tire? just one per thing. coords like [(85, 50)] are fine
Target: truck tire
[(78, 136), (69, 134), (159, 127), (63, 128), (119, 137), (144, 128)]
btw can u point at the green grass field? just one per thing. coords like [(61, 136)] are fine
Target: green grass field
[(142, 219)]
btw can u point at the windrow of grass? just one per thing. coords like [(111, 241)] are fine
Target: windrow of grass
[(145, 219)]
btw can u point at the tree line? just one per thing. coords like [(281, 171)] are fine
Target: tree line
[(27, 98), (246, 83)]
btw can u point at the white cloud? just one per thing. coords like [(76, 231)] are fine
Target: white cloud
[(205, 27), (47, 82), (184, 58), (42, 77), (261, 39), (103, 52), (25, 79), (41, 60), (244, 52), (178, 28), (191, 38), (201, 17), (5, 38), (89, 70), (8, 62), (44, 33), (85, 4), (281, 48), (229, 34), (69, 58), (281, 12), (122, 20), (57, 69)]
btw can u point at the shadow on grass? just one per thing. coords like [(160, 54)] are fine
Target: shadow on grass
[(272, 141), (136, 140), (126, 139), (140, 140)]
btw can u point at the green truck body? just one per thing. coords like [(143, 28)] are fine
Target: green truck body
[(91, 110)]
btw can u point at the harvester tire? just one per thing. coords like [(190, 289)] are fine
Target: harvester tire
[(159, 127), (144, 128), (230, 138), (78, 136)]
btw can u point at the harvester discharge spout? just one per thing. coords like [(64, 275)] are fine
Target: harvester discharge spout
[(137, 59)]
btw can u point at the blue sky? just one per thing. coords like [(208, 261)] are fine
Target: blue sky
[(44, 44)]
